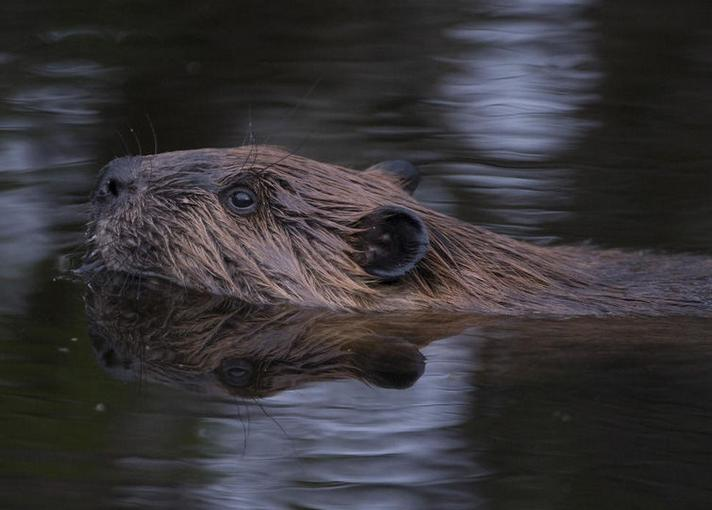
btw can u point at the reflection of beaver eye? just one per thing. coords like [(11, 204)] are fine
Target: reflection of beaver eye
[(242, 201), (236, 373)]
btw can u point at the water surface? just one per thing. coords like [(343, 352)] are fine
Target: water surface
[(555, 121)]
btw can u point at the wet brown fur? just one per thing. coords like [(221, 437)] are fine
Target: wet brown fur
[(298, 246)]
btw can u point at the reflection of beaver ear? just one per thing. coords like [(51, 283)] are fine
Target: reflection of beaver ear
[(392, 242), (406, 173), (389, 363)]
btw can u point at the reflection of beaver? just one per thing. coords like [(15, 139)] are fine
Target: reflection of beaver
[(199, 340), (266, 226)]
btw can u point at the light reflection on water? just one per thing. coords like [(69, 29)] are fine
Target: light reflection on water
[(280, 353), (525, 75), (554, 121), (341, 459)]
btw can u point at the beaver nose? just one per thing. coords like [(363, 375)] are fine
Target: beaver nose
[(117, 180)]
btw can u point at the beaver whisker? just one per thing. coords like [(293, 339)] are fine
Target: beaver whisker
[(249, 154), (136, 139), (298, 105), (288, 154), (123, 143), (153, 133)]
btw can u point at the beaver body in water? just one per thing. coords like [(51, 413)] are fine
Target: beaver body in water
[(266, 226)]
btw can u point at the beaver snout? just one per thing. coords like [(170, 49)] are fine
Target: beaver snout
[(116, 181)]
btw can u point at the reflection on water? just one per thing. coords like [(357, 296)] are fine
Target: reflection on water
[(526, 72), (249, 351), (213, 404), (551, 120), (218, 347)]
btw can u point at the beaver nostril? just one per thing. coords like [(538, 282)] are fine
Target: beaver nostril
[(113, 186), (117, 179)]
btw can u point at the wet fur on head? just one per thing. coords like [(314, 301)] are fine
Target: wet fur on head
[(304, 242)]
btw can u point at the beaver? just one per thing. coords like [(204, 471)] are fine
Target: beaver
[(205, 342), (267, 226)]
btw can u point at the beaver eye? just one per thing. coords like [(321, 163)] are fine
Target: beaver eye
[(242, 200)]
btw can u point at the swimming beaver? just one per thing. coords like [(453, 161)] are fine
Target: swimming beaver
[(266, 226)]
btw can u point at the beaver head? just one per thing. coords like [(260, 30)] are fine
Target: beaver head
[(266, 226), (258, 224)]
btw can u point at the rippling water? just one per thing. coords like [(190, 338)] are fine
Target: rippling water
[(555, 121)]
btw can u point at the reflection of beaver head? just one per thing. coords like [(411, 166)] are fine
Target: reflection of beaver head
[(265, 226), (198, 340)]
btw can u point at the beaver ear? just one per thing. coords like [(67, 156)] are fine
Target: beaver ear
[(393, 364), (408, 176), (392, 242)]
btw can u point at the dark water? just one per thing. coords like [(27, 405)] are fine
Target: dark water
[(556, 121)]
